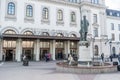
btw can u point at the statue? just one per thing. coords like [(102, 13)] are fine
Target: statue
[(84, 29)]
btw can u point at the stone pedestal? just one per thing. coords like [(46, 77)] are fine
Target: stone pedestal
[(84, 53)]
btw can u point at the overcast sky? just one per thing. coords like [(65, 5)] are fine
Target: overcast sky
[(113, 4)]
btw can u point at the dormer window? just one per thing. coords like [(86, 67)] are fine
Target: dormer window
[(95, 1), (118, 14), (110, 13)]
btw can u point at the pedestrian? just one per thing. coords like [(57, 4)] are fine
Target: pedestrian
[(119, 57), (70, 59), (111, 58), (102, 56), (46, 57)]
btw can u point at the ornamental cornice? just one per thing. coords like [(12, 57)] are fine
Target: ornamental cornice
[(93, 5), (112, 17), (63, 2)]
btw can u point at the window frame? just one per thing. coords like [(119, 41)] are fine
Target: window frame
[(45, 13), (60, 15), (95, 18), (11, 8), (73, 16), (29, 10)]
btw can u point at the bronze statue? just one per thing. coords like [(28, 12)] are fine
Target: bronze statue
[(84, 29)]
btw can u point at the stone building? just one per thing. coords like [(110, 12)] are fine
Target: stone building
[(36, 27)]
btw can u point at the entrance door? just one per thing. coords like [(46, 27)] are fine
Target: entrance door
[(9, 55), (29, 53), (59, 54), (42, 53)]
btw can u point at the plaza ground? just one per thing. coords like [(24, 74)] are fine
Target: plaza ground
[(46, 71)]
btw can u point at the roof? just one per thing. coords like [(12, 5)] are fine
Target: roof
[(114, 13)]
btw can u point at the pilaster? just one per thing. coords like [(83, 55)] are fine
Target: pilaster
[(52, 49), (19, 50), (37, 49), (1, 50)]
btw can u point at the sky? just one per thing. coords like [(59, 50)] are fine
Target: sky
[(113, 4)]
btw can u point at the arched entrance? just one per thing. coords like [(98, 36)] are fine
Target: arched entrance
[(28, 46), (9, 46), (44, 48)]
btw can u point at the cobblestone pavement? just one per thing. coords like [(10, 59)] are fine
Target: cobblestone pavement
[(46, 71)]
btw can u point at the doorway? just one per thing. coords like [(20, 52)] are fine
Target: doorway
[(28, 53), (42, 53), (9, 55), (59, 54)]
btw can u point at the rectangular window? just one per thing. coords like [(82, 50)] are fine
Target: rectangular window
[(112, 26), (94, 18), (113, 36), (95, 1), (119, 37), (96, 32), (118, 27)]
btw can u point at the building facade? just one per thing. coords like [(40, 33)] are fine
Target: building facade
[(36, 27)]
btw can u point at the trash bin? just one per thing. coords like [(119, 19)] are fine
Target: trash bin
[(118, 67)]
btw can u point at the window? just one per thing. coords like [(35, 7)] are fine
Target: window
[(72, 35), (45, 34), (118, 14), (60, 15), (112, 26), (110, 13), (11, 8), (73, 17), (113, 36), (45, 13), (74, 1), (95, 1), (118, 27), (60, 35), (28, 33), (29, 11), (96, 32), (119, 37), (113, 50), (9, 32), (94, 18), (96, 50), (44, 44)]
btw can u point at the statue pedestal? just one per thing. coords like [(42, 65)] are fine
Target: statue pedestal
[(84, 53)]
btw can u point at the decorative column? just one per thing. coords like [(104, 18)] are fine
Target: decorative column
[(1, 50), (52, 49), (36, 49), (19, 50)]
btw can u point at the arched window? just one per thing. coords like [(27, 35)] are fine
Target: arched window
[(45, 34), (60, 35), (73, 17), (72, 35), (29, 11), (11, 8), (60, 15), (28, 33), (96, 50), (9, 32), (45, 13)]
